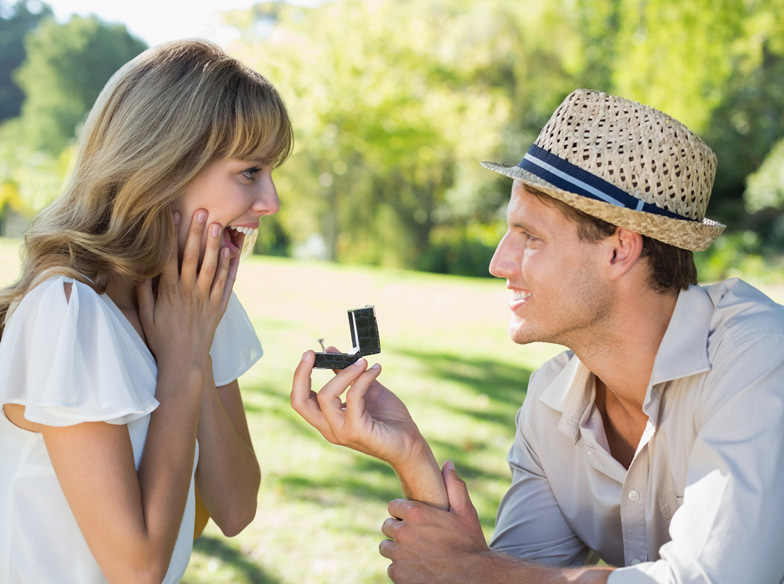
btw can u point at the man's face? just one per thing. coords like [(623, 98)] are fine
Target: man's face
[(558, 290)]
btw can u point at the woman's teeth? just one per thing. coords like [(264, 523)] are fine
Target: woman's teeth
[(520, 295), (243, 230)]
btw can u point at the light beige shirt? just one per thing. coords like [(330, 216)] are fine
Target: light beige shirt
[(703, 499)]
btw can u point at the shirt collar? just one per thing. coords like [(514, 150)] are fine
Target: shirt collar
[(684, 348), (570, 392), (683, 352)]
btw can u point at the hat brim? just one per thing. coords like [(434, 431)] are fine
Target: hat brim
[(691, 235)]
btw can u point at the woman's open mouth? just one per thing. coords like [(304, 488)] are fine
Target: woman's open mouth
[(234, 236)]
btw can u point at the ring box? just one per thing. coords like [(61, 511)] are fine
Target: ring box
[(364, 339)]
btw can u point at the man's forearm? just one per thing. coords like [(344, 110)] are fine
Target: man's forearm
[(500, 568), (421, 479)]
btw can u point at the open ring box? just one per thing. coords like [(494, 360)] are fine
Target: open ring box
[(364, 339)]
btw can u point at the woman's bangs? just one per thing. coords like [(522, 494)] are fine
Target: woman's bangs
[(262, 127)]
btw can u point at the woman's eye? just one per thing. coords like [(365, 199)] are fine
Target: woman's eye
[(250, 173)]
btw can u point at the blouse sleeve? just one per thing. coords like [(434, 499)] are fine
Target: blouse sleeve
[(68, 360), (235, 347)]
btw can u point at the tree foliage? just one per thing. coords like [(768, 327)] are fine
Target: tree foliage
[(67, 65), (394, 105), (395, 102), (15, 22)]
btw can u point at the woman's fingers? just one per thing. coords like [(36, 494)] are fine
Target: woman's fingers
[(171, 270), (227, 275), (210, 263), (146, 299), (190, 254)]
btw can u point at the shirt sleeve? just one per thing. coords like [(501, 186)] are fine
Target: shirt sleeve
[(68, 361), (529, 523), (730, 526), (235, 347)]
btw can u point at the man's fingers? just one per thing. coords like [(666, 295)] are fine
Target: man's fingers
[(302, 398), (399, 508), (387, 548), (456, 489), (329, 396), (355, 397), (390, 527)]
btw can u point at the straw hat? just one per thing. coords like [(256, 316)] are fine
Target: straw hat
[(626, 163)]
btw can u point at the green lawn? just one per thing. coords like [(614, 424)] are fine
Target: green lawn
[(444, 351)]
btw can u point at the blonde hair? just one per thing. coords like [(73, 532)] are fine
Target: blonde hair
[(157, 123)]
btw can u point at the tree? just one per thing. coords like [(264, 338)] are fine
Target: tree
[(765, 187), (67, 65), (394, 102), (394, 105), (15, 22)]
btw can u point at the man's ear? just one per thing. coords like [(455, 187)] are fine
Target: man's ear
[(623, 250)]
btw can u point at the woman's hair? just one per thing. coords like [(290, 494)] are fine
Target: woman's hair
[(157, 123)]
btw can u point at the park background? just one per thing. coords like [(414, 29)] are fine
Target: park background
[(394, 103)]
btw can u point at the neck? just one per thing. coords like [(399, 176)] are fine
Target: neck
[(624, 358), (123, 293)]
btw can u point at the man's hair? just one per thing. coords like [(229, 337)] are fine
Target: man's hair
[(671, 268)]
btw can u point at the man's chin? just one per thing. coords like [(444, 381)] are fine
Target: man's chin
[(519, 335)]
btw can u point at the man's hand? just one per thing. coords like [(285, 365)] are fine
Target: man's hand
[(372, 420), (432, 546), (429, 545)]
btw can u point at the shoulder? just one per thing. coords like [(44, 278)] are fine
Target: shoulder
[(54, 293), (66, 356), (59, 307), (743, 311)]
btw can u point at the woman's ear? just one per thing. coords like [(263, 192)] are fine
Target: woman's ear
[(624, 249)]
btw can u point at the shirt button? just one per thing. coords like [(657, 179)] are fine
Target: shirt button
[(634, 496), (634, 562)]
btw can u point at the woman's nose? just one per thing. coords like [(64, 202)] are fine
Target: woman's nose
[(267, 202)]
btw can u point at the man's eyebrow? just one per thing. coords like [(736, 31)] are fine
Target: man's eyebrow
[(523, 226)]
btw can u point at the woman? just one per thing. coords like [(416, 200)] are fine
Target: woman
[(122, 342)]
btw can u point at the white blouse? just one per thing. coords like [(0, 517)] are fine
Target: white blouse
[(73, 361)]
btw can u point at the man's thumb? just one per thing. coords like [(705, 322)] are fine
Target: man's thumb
[(456, 489)]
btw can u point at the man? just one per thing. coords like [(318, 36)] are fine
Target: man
[(655, 442)]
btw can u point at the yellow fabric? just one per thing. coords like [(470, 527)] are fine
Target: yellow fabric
[(202, 517)]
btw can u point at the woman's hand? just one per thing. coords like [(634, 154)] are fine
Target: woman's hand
[(180, 319)]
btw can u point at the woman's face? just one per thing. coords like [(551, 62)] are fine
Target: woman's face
[(235, 194)]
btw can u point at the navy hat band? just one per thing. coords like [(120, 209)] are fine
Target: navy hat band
[(566, 176)]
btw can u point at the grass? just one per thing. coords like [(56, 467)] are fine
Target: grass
[(444, 351)]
